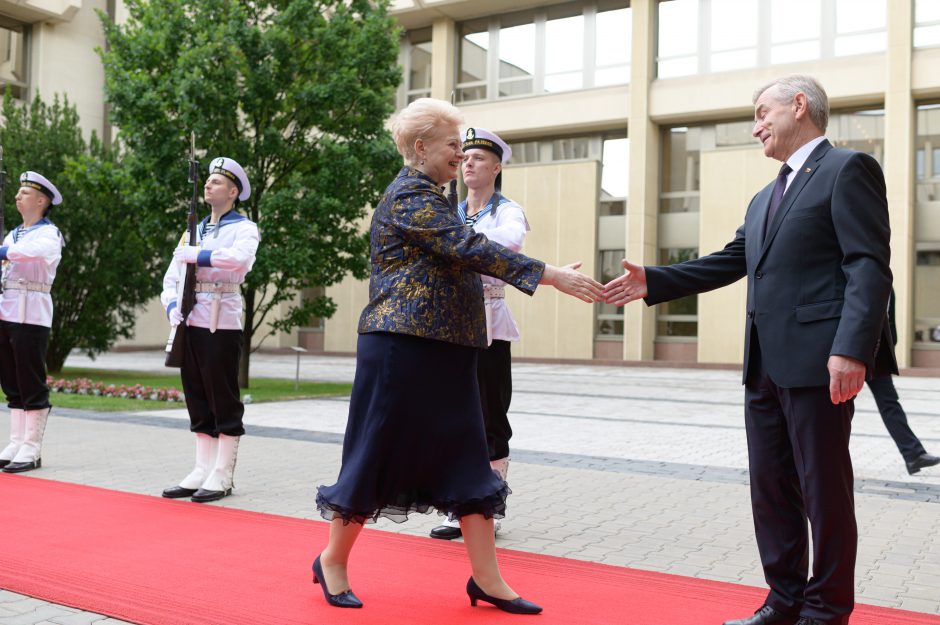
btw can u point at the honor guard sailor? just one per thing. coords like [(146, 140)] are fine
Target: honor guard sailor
[(503, 221), (30, 253), (225, 253)]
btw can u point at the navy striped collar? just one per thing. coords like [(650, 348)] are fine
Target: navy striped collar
[(490, 207)]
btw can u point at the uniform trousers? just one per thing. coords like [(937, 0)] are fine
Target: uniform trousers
[(23, 365), (886, 397), (494, 375), (800, 468), (210, 381)]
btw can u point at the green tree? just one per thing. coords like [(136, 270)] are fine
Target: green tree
[(298, 93), (105, 273)]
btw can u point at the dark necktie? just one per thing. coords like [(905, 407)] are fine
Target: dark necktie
[(779, 187)]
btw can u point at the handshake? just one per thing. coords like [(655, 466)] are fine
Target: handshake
[(619, 291)]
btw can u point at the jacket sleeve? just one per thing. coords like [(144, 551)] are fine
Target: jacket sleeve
[(511, 229), (718, 269), (240, 256), (172, 277), (426, 220), (860, 217), (44, 247)]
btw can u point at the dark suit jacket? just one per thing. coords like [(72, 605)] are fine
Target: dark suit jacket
[(818, 285)]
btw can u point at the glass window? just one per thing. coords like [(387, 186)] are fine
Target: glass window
[(733, 47), (417, 50), (926, 296), (609, 318), (564, 64), (474, 48), (516, 59), (680, 171), (615, 179), (678, 38), (862, 130), (13, 56), (926, 23), (612, 47), (718, 35), (678, 318)]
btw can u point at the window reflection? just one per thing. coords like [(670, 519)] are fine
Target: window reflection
[(927, 23), (927, 227), (567, 46), (702, 36), (13, 57)]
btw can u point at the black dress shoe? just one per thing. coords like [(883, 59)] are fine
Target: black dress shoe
[(202, 495), (805, 620), (922, 462), (4, 463), (178, 492), (22, 467), (341, 600), (765, 616), (513, 606), (446, 532)]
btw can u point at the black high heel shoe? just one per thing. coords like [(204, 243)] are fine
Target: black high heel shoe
[(515, 606), (342, 600)]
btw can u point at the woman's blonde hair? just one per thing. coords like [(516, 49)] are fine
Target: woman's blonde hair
[(422, 119)]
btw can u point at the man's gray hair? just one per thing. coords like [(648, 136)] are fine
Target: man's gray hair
[(816, 98)]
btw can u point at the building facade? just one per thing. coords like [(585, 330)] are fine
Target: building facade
[(630, 125)]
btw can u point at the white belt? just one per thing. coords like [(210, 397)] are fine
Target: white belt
[(25, 287), (493, 291), (215, 290)]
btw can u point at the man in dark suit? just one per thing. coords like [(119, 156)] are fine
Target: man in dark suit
[(815, 249), (886, 398)]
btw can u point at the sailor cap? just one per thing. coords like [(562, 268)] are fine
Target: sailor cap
[(486, 140), (234, 172), (39, 182)]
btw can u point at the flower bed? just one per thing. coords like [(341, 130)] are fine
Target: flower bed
[(84, 386)]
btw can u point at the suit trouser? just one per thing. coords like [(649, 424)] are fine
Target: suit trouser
[(798, 450), (23, 365), (494, 375), (210, 381), (886, 397)]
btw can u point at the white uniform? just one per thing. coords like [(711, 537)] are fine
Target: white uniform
[(505, 224), (31, 257), (227, 255)]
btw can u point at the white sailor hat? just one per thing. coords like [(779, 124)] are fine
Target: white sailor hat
[(234, 172), (39, 182), (486, 140)]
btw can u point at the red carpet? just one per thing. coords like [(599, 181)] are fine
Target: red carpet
[(154, 561)]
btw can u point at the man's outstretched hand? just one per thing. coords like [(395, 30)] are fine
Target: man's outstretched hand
[(628, 287)]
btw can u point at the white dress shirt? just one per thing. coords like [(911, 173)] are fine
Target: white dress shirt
[(799, 157), (226, 256), (31, 256), (504, 223)]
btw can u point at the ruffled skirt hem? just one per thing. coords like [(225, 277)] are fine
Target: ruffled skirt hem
[(491, 507)]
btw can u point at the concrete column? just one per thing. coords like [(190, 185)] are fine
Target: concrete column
[(639, 327), (899, 167), (443, 58)]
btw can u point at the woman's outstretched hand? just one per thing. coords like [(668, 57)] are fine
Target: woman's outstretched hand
[(569, 280)]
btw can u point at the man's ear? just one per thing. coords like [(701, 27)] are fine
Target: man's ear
[(800, 105)]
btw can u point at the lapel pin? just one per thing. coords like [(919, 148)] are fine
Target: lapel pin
[(808, 169)]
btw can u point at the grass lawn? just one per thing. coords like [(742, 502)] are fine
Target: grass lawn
[(262, 389)]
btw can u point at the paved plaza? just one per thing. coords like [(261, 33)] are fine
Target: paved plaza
[(629, 466)]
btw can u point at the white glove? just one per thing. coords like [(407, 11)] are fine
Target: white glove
[(176, 317), (186, 253)]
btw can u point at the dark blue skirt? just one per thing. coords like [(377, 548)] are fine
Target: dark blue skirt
[(415, 438)]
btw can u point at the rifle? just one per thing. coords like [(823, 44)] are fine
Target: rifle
[(177, 340), (3, 186), (452, 192)]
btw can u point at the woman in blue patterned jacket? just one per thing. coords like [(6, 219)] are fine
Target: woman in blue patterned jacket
[(415, 406)]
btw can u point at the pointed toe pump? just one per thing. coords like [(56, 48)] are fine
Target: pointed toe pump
[(342, 600), (513, 606)]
